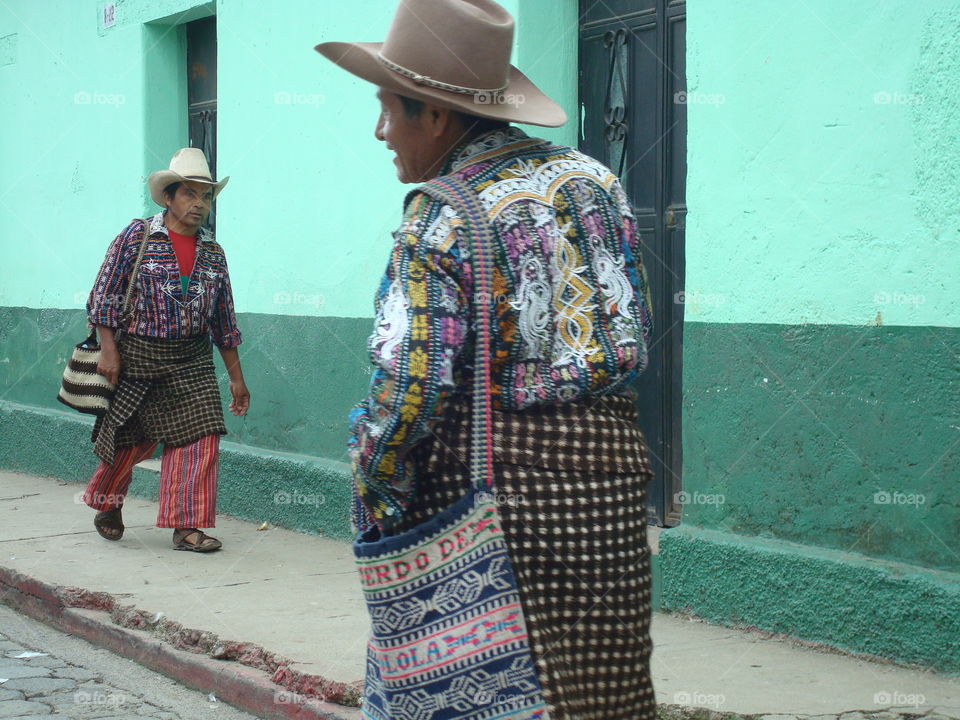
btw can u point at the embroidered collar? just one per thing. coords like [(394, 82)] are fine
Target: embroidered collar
[(156, 225), (488, 145)]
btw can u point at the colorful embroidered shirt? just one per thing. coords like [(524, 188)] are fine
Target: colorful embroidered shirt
[(572, 308), (160, 307)]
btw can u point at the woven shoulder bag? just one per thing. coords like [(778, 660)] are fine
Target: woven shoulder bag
[(449, 640), (82, 387)]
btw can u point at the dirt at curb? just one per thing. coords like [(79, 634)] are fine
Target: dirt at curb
[(294, 694), (210, 644)]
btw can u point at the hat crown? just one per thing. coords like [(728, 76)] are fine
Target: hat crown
[(465, 43), (191, 163)]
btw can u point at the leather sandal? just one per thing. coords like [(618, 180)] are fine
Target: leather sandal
[(199, 542), (109, 520)]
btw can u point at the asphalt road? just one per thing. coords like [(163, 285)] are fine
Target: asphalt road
[(45, 673)]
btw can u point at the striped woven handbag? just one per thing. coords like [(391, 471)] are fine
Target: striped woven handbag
[(82, 387), (448, 638)]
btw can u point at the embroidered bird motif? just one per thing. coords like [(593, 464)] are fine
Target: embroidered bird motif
[(393, 322), (533, 304), (613, 280)]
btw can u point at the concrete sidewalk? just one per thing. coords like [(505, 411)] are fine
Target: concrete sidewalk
[(288, 606)]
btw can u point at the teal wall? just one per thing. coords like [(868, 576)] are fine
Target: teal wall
[(313, 198), (820, 355), (823, 176), (821, 381), (307, 216)]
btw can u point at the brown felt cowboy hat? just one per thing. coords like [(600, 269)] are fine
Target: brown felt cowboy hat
[(452, 53), (186, 164)]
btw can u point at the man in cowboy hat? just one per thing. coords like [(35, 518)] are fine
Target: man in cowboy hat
[(572, 326), (159, 354)]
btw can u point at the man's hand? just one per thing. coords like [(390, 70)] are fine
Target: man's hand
[(238, 388), (241, 397), (109, 364)]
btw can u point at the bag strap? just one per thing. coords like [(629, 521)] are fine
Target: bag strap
[(136, 269), (460, 196)]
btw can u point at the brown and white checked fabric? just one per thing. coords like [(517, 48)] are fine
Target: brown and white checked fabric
[(570, 482), (167, 393)]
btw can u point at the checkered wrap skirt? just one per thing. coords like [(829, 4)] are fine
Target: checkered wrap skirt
[(167, 394), (570, 482)]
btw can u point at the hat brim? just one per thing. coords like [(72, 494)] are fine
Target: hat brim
[(162, 178), (521, 101)]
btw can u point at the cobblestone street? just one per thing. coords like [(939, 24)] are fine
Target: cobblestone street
[(47, 674)]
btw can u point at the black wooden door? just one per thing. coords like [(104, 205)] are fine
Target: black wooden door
[(202, 91), (633, 119)]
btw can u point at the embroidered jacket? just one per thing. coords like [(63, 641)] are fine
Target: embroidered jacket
[(570, 297), (160, 309)]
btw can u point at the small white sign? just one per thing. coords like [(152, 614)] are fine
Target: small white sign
[(109, 14)]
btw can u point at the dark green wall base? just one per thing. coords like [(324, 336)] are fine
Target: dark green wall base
[(836, 436), (847, 601), (819, 470), (294, 491), (304, 373)]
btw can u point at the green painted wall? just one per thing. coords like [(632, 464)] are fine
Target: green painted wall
[(821, 175), (306, 219), (820, 362), (304, 373), (307, 216), (836, 436), (823, 162)]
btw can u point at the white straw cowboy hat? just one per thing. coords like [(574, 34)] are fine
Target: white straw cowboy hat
[(452, 53), (186, 164)]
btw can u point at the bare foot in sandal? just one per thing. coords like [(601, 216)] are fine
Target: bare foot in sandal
[(194, 540), (109, 524)]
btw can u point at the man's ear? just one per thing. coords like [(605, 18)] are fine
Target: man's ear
[(440, 118)]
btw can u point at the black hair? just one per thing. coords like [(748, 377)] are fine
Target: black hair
[(472, 123), (171, 189)]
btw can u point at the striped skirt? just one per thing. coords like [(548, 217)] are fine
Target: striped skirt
[(570, 482)]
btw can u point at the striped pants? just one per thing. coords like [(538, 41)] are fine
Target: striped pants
[(188, 482)]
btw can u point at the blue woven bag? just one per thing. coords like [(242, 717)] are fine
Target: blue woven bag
[(448, 638)]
